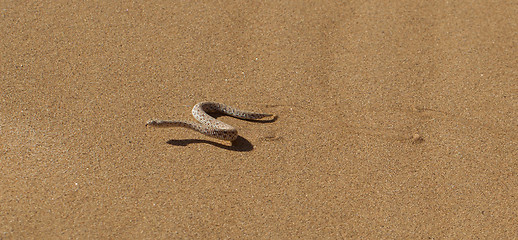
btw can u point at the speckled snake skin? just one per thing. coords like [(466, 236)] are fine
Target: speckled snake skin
[(209, 125)]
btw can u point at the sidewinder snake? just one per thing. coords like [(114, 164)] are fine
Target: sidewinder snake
[(211, 126)]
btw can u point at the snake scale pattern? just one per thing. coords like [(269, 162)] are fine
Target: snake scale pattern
[(209, 125)]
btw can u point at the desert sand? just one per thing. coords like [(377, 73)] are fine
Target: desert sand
[(395, 120)]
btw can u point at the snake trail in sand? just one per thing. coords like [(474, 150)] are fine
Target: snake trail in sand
[(209, 125)]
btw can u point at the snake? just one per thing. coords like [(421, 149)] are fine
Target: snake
[(209, 125)]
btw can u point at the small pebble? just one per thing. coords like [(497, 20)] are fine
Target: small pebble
[(416, 138)]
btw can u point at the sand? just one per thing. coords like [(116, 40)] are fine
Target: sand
[(396, 120)]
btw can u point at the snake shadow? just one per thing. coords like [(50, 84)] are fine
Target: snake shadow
[(238, 145)]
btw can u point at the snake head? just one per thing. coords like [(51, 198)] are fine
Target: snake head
[(152, 123)]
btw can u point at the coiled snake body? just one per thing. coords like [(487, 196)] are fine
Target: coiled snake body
[(209, 125)]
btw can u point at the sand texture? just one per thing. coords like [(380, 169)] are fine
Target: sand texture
[(396, 120)]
